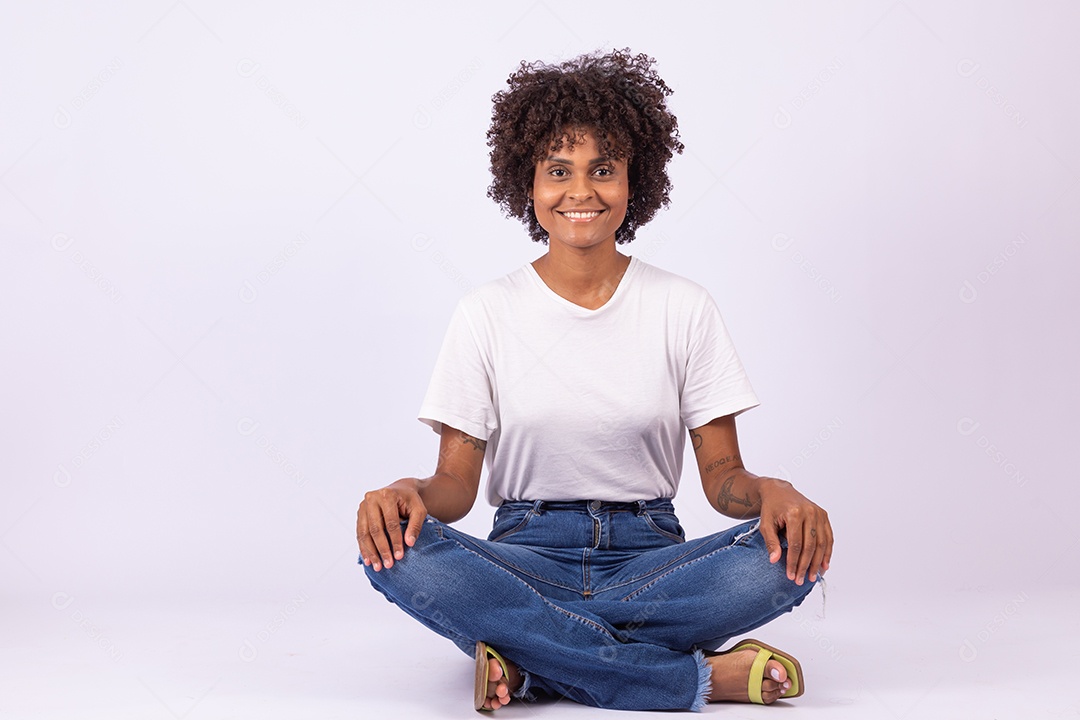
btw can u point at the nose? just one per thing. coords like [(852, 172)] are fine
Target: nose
[(580, 187)]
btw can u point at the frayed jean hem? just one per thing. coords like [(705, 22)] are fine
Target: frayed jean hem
[(704, 681), (523, 692)]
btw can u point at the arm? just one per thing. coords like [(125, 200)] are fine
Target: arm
[(447, 495), (734, 491), (450, 493)]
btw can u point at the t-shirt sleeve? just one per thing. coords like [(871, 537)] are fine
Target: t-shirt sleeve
[(460, 391), (716, 384)]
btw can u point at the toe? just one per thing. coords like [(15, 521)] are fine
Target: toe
[(776, 671), (730, 674), (498, 694), (772, 687), (770, 690)]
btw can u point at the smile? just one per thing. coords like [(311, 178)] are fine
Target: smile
[(577, 216)]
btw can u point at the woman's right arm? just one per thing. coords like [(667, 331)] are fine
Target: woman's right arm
[(448, 495)]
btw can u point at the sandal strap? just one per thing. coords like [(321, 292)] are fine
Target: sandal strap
[(491, 653), (757, 675)]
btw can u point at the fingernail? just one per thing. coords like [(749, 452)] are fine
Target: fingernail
[(775, 674), (376, 566), (399, 554)]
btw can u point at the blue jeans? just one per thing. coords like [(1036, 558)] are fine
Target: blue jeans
[(604, 603)]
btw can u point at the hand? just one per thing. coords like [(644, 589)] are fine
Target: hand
[(378, 522), (806, 526)]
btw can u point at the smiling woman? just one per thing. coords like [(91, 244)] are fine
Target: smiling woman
[(618, 96), (579, 197), (578, 378)]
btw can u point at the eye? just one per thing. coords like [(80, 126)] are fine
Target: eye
[(604, 170), (557, 172)]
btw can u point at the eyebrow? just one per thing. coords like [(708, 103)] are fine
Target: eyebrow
[(564, 161)]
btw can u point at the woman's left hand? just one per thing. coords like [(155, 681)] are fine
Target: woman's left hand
[(805, 525)]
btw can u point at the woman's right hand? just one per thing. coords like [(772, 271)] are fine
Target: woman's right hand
[(378, 522)]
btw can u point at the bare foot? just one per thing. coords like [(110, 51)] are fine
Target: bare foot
[(499, 687), (731, 674)]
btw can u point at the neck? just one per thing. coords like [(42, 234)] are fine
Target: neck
[(584, 276)]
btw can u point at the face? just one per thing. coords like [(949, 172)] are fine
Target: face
[(580, 197)]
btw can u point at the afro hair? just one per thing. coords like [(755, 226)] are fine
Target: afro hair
[(618, 96)]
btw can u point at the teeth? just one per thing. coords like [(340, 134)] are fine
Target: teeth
[(581, 215)]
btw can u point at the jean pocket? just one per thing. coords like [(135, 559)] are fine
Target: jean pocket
[(665, 523), (510, 522)]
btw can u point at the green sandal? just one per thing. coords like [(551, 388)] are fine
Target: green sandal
[(483, 652), (757, 670)]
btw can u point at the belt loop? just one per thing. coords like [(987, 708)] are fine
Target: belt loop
[(640, 507), (538, 507)]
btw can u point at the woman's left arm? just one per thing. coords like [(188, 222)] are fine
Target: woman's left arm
[(738, 493)]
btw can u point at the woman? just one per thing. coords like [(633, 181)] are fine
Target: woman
[(576, 377)]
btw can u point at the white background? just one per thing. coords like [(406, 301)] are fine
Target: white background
[(232, 234)]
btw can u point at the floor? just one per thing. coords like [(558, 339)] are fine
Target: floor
[(965, 654)]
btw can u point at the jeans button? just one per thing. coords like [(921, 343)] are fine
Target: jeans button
[(595, 505)]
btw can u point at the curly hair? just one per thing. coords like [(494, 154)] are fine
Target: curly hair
[(617, 95)]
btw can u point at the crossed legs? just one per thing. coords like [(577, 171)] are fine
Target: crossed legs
[(635, 644)]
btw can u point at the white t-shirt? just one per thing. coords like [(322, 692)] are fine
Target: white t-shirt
[(579, 404)]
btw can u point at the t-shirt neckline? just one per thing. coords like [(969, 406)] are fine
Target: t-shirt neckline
[(619, 290)]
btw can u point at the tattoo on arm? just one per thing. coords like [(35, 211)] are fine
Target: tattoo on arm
[(475, 442), (717, 464), (696, 437), (726, 496)]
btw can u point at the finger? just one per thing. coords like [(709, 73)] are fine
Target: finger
[(809, 549), (821, 555), (392, 515), (370, 553), (377, 534), (417, 514), (772, 539), (360, 530), (828, 547), (806, 556), (815, 562), (793, 529), (367, 547)]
